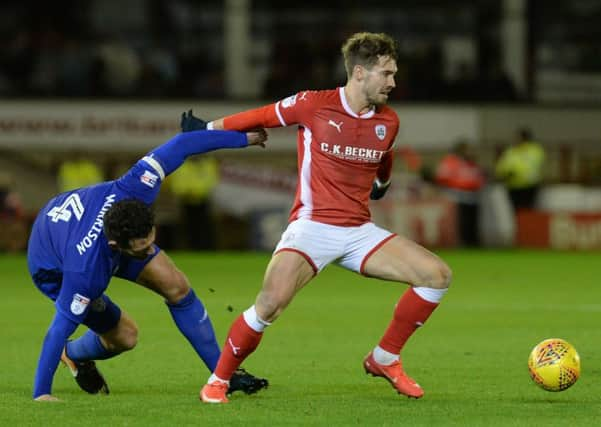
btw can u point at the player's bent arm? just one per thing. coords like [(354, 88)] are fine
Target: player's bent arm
[(60, 330), (383, 174), (385, 169)]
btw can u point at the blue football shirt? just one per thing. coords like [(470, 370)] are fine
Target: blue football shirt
[(67, 236)]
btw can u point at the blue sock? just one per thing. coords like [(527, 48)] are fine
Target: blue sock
[(193, 321), (88, 347)]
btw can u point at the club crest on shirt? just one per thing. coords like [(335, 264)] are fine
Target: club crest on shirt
[(79, 304), (148, 178), (380, 132)]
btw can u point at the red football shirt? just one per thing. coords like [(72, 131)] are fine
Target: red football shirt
[(340, 153)]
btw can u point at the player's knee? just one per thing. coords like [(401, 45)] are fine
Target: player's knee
[(130, 341), (177, 289), (129, 337), (442, 276), (437, 276), (124, 339), (269, 306)]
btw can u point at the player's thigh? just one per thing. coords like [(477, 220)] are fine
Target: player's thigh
[(118, 331), (287, 273), (122, 337), (163, 277), (402, 260), (103, 315)]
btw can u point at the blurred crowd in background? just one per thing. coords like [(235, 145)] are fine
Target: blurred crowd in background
[(449, 51)]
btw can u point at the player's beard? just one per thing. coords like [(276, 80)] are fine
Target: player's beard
[(377, 100), (375, 97)]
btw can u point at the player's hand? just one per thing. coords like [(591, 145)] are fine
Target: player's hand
[(47, 398), (378, 190), (257, 137), (189, 122)]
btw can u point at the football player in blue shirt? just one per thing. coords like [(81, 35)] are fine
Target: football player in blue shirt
[(83, 237)]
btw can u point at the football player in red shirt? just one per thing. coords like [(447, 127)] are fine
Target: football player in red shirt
[(345, 139)]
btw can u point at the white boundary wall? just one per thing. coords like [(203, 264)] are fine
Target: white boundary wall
[(138, 126)]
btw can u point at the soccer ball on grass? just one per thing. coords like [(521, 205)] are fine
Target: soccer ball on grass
[(554, 364)]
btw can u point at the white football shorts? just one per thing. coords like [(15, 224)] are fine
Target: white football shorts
[(321, 244)]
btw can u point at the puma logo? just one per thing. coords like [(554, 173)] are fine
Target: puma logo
[(234, 348), (336, 125)]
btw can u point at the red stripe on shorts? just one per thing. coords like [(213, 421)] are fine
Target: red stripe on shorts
[(304, 255), (370, 253)]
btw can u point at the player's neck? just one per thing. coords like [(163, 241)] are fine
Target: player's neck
[(356, 101)]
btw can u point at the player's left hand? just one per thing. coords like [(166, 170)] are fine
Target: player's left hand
[(189, 122), (257, 137), (378, 190)]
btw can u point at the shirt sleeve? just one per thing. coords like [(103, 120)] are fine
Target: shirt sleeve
[(143, 180), (77, 291), (72, 305), (60, 330), (292, 110), (298, 108)]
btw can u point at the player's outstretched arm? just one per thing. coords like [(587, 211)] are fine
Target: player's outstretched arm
[(174, 152), (190, 122), (60, 330), (257, 118)]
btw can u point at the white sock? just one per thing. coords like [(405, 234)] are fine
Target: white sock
[(430, 294), (253, 320), (384, 357), (214, 378)]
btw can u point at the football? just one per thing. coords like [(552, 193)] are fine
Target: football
[(554, 364)]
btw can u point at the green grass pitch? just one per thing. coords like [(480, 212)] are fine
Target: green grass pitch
[(470, 357)]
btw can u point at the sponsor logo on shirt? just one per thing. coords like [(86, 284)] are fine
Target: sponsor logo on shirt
[(79, 304), (336, 125), (149, 179), (349, 152), (380, 132)]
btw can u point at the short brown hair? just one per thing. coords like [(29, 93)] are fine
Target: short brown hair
[(366, 48)]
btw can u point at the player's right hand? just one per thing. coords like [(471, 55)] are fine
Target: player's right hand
[(189, 122), (47, 398), (257, 137), (378, 190)]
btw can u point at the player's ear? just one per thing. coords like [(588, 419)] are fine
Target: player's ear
[(359, 72)]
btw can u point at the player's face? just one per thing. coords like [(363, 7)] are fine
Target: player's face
[(379, 80), (142, 247)]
